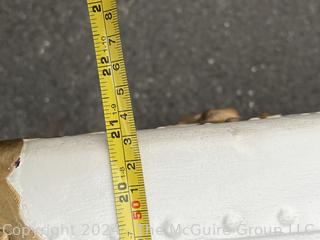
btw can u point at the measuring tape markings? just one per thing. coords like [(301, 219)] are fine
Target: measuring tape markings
[(127, 174)]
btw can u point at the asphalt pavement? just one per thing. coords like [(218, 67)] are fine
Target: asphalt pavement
[(183, 57)]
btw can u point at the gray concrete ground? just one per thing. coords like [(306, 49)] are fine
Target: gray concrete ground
[(183, 56)]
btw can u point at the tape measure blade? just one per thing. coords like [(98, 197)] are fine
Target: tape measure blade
[(127, 173)]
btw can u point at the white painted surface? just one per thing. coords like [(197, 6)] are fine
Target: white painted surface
[(244, 177)]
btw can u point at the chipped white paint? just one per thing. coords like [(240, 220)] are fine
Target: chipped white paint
[(225, 181)]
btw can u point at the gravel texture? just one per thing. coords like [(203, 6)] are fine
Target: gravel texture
[(183, 56)]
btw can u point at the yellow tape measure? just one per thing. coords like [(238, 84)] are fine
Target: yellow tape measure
[(128, 183)]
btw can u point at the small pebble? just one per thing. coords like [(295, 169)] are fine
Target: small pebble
[(190, 119), (212, 116), (220, 116)]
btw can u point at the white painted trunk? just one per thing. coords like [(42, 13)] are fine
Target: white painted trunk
[(236, 180)]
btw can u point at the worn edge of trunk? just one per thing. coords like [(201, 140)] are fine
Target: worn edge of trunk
[(12, 226)]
